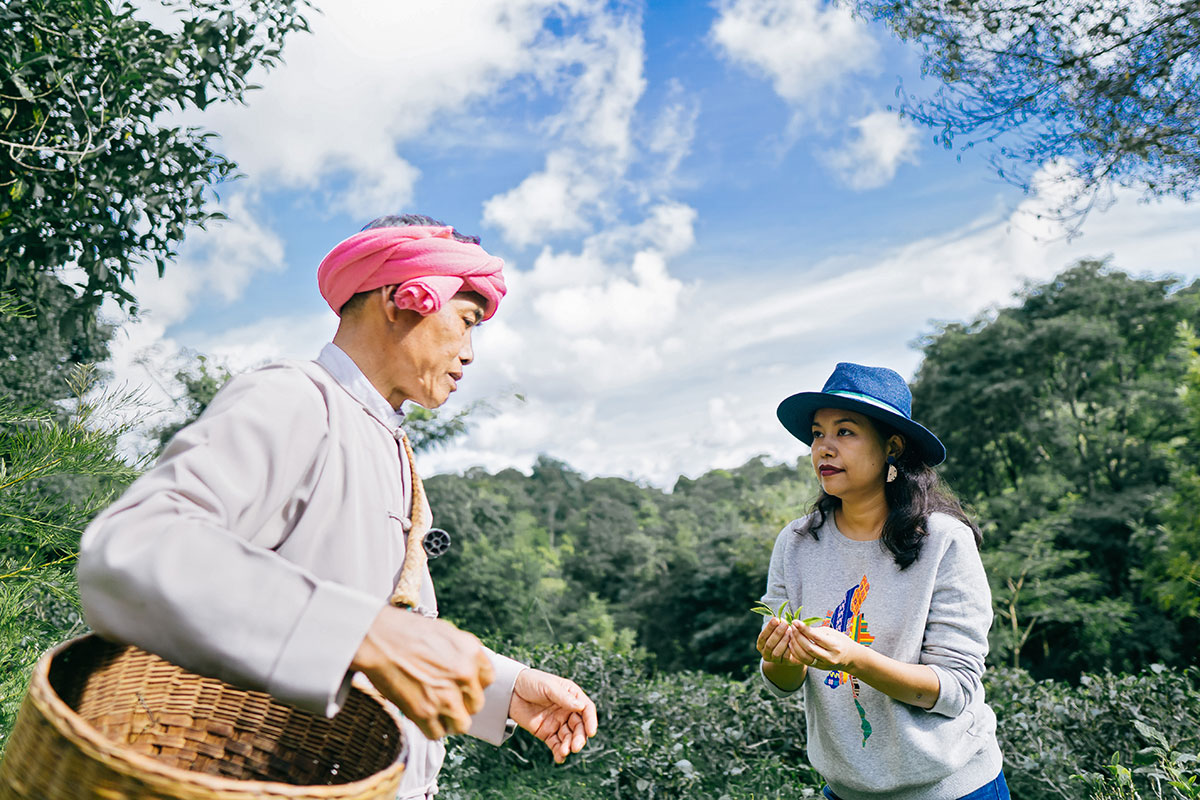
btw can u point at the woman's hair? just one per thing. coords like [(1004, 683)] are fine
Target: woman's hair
[(917, 492)]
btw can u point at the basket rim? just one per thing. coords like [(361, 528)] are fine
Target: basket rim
[(163, 776)]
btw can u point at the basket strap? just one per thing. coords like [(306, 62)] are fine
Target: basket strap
[(412, 573)]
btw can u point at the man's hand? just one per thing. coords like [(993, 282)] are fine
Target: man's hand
[(432, 671), (554, 710)]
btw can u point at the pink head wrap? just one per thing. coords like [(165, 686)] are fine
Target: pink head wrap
[(427, 262)]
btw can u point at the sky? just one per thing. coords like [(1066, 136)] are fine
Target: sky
[(702, 209)]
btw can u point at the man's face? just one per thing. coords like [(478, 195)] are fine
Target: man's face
[(425, 356)]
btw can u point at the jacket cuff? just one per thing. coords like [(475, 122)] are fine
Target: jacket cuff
[(312, 671), (951, 698), (490, 722)]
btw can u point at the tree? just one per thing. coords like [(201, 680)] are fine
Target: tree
[(94, 175), (1037, 586), (200, 381), (1111, 90), (1172, 575), (1055, 413), (45, 339)]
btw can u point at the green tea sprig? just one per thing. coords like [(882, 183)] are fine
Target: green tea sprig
[(784, 613)]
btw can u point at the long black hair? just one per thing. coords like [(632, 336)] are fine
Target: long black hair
[(917, 492)]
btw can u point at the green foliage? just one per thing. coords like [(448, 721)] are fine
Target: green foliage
[(1050, 731), (429, 430), (1170, 773), (1110, 90), (608, 559), (1172, 575), (1055, 412), (682, 735), (44, 341), (784, 613), (91, 175), (694, 735), (1036, 585), (55, 475)]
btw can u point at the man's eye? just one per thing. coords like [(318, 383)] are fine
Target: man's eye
[(845, 432)]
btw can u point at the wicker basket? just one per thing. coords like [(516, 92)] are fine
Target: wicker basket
[(108, 721)]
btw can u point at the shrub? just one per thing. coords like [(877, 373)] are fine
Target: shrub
[(680, 735), (1057, 737)]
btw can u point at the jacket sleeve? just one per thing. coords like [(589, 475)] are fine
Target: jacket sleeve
[(490, 723), (960, 615), (178, 564)]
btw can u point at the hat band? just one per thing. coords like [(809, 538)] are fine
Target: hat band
[(866, 398)]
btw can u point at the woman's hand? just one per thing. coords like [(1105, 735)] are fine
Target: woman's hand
[(775, 643), (779, 665), (828, 649), (822, 647)]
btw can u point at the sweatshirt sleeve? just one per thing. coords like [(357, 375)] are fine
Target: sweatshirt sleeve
[(178, 564), (775, 595), (960, 615)]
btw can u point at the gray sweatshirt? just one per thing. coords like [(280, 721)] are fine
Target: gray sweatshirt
[(936, 612)]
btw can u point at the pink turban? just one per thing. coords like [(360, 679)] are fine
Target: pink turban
[(427, 262)]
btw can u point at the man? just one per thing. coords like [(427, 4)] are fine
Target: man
[(266, 543)]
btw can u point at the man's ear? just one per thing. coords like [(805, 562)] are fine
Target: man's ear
[(386, 296)]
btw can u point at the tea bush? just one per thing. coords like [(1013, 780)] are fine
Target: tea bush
[(696, 735), (661, 736), (1051, 731)]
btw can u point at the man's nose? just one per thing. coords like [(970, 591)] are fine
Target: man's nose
[(467, 353)]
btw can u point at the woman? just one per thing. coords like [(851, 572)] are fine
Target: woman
[(890, 563)]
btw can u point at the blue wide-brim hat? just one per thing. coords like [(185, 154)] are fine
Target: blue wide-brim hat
[(876, 392)]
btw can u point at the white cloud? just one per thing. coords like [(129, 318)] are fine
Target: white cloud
[(804, 47), (597, 319), (885, 140), (217, 262), (372, 74), (599, 72), (553, 201), (652, 379), (670, 139), (608, 57)]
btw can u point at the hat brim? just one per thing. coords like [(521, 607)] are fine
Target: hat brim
[(796, 414)]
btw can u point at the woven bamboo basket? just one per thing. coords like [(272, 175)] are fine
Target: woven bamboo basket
[(114, 722)]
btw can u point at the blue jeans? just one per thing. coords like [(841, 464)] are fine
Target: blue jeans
[(994, 790)]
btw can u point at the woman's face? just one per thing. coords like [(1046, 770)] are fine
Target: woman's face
[(849, 454)]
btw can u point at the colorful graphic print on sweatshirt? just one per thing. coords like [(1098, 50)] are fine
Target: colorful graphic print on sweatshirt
[(848, 619)]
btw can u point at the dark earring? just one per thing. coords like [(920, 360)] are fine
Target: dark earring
[(892, 471)]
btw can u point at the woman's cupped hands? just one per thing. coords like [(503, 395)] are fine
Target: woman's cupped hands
[(797, 644)]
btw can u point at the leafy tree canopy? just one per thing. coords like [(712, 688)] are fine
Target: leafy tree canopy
[(1113, 88), (1056, 414), (92, 172)]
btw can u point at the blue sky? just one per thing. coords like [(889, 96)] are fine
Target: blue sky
[(702, 209)]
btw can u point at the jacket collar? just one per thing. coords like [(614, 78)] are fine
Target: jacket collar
[(351, 378)]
